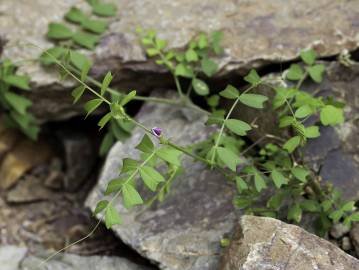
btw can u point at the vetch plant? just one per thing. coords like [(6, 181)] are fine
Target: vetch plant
[(16, 106), (276, 169)]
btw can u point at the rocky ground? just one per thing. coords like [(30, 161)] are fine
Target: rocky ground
[(48, 188)]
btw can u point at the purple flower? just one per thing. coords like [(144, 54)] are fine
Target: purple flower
[(156, 131)]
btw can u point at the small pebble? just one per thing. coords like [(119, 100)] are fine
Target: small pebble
[(339, 230)]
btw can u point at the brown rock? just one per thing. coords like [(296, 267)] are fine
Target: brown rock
[(354, 235), (25, 155), (269, 244)]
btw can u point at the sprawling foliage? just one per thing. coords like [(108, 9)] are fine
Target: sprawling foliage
[(16, 106)]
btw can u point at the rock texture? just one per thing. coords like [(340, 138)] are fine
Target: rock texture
[(16, 258), (269, 244), (183, 232), (255, 33)]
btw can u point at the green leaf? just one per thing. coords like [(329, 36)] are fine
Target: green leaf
[(183, 71), (95, 26), (336, 215), (316, 72), (241, 184), (312, 132), (286, 121), (106, 82), (200, 87), (21, 82), (303, 111), (92, 105), (216, 42), (112, 217), (115, 185), (86, 40), (242, 203), (282, 95), (202, 41), (49, 56), (300, 173), (209, 67), (292, 144), (191, 56), (151, 177), (170, 155), (104, 120), (310, 206), (326, 205), (130, 196), (146, 144), (295, 213), (106, 144), (213, 101), (161, 44), (217, 117), (259, 182), (75, 15), (105, 10), (59, 31), (129, 165), (101, 205), (276, 200), (80, 61), (153, 52), (331, 115), (230, 92), (253, 78), (77, 93), (295, 72), (18, 103), (253, 100), (230, 159), (278, 178), (308, 56), (349, 206), (237, 126), (126, 99), (354, 217)]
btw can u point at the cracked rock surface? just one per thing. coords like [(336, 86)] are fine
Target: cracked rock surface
[(256, 33), (269, 244)]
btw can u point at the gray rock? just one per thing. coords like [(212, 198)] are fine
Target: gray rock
[(269, 244), (279, 29), (346, 244), (11, 257), (338, 230), (75, 262), (79, 155), (354, 236), (183, 232)]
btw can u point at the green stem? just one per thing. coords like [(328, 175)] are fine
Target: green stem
[(188, 153)]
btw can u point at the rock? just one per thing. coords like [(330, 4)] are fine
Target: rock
[(16, 258), (11, 257), (278, 30), (74, 262), (269, 244), (25, 155), (354, 236), (183, 232), (30, 189), (346, 244), (339, 230), (79, 155)]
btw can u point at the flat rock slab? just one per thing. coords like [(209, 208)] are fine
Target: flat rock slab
[(269, 244), (255, 33), (183, 232)]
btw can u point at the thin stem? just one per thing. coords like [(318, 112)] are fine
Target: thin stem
[(223, 124), (189, 153)]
